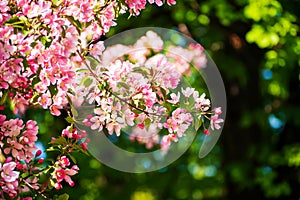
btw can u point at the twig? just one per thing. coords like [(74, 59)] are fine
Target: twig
[(40, 193)]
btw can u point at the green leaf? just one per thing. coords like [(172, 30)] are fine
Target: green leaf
[(88, 82), (198, 122), (46, 41), (76, 23), (69, 119), (64, 196), (82, 70), (124, 85), (147, 123), (24, 175), (60, 140), (93, 62), (74, 111), (4, 97), (53, 90), (142, 70), (15, 22), (81, 150), (57, 2), (72, 158), (136, 111)]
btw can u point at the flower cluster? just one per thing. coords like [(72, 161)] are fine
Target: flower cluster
[(21, 168), (135, 6), (39, 46), (16, 153), (18, 139), (48, 56), (9, 179), (62, 172), (139, 87)]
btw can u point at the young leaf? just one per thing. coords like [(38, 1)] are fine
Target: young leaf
[(198, 122), (64, 196), (72, 158), (69, 119), (60, 140)]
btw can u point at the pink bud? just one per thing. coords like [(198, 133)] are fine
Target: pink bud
[(41, 160), (8, 159), (38, 153), (206, 132), (2, 107), (19, 166), (84, 146), (57, 186), (71, 183), (141, 125)]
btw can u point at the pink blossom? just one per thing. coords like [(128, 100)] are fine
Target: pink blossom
[(157, 2), (97, 49), (64, 161), (174, 98), (97, 123), (187, 92), (202, 103), (54, 110), (171, 2), (215, 121), (165, 142), (60, 174), (45, 100), (135, 6), (146, 136), (114, 127), (129, 117), (7, 172), (171, 125), (218, 110)]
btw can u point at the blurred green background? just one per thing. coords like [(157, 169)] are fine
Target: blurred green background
[(256, 45)]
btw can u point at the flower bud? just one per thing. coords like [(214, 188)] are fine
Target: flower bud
[(38, 153), (206, 132), (19, 166), (41, 160)]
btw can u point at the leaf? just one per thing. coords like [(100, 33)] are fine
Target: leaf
[(60, 140), (24, 175), (4, 97), (57, 2), (81, 150), (53, 90), (124, 85), (69, 119), (198, 122), (46, 41), (142, 70), (15, 22), (74, 111), (88, 82), (82, 70), (25, 63), (147, 123), (52, 149), (64, 196), (72, 158), (93, 62), (76, 23)]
